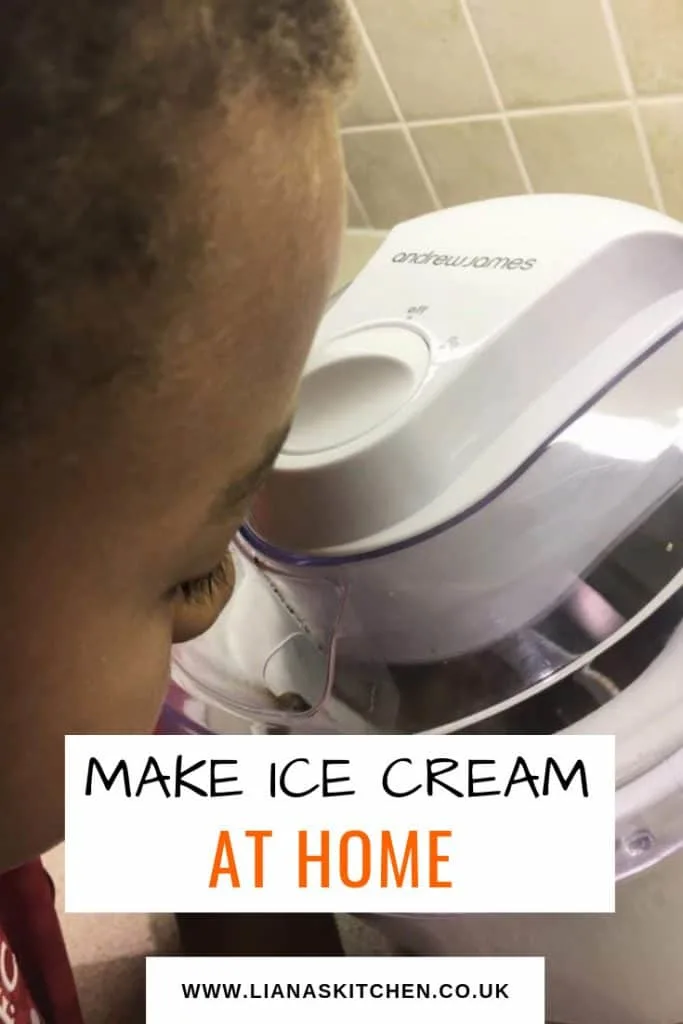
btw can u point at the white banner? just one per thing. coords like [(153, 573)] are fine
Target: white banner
[(433, 990), (424, 824)]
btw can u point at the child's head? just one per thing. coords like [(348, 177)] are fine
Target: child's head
[(171, 207)]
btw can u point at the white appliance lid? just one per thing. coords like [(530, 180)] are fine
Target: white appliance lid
[(433, 384)]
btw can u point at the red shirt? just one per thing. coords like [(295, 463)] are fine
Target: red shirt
[(36, 982)]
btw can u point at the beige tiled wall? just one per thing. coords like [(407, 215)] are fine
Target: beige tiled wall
[(461, 100)]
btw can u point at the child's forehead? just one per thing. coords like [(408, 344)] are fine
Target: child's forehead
[(162, 445)]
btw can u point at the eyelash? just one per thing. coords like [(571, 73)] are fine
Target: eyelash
[(202, 588)]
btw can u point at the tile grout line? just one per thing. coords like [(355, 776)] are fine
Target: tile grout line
[(417, 156), (629, 88), (371, 232), (519, 113), (497, 115), (426, 176), (437, 122), (497, 96), (567, 108), (660, 99), (359, 202)]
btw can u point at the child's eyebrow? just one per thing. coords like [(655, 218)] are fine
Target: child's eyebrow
[(239, 490)]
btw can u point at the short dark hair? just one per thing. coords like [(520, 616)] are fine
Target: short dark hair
[(94, 95)]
